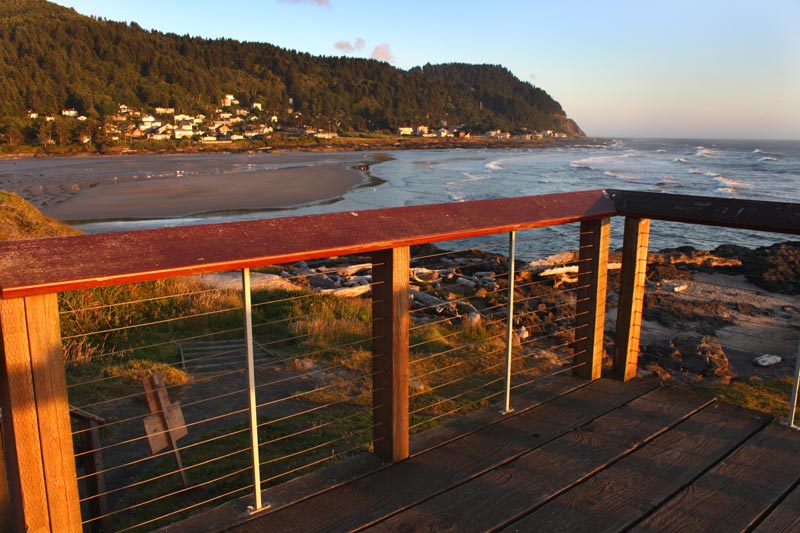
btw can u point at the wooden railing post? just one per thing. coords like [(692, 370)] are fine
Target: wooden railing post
[(390, 353), (37, 434), (590, 310), (631, 298)]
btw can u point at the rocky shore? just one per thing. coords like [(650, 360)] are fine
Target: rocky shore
[(707, 314)]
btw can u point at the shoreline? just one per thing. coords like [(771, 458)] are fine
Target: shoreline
[(341, 144), (77, 191), (202, 194)]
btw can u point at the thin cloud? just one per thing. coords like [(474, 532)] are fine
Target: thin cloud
[(317, 2), (383, 52), (348, 48)]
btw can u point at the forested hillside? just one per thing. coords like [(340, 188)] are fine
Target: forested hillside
[(53, 58)]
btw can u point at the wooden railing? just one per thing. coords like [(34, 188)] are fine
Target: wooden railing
[(36, 428)]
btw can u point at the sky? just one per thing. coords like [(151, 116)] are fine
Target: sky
[(620, 68)]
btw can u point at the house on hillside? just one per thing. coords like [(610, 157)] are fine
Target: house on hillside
[(184, 129), (229, 100), (69, 113), (421, 131), (405, 130), (165, 111)]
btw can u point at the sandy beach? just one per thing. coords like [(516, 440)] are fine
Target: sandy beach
[(152, 186)]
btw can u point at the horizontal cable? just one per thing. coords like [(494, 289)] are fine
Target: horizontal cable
[(153, 323), (178, 491), (141, 300), (193, 506), (161, 476), (166, 343)]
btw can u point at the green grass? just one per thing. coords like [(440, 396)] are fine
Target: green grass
[(767, 395), (284, 451)]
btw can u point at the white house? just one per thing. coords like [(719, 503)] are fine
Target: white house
[(184, 129), (257, 105), (229, 100), (421, 130), (69, 113), (165, 111), (405, 130)]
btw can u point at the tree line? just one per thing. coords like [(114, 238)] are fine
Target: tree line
[(53, 58)]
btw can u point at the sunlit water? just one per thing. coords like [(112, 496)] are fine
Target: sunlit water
[(762, 170)]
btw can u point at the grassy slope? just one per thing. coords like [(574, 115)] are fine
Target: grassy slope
[(20, 220)]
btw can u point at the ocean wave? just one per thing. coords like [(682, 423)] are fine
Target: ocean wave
[(729, 183), (494, 165), (471, 177), (589, 161), (680, 160), (457, 196), (695, 171), (661, 151), (623, 177), (705, 152), (758, 151), (767, 158)]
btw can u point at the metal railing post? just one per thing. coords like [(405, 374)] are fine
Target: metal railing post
[(512, 239), (251, 385)]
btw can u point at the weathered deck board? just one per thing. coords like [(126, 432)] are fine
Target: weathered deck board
[(629, 489), (602, 456), (737, 492), (550, 469), (785, 517), (402, 485)]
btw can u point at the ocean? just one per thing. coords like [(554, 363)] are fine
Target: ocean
[(759, 170)]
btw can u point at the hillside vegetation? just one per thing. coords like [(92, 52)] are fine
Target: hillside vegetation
[(53, 58)]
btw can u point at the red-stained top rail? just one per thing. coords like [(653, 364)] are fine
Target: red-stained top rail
[(43, 266)]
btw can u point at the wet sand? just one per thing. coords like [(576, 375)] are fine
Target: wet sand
[(153, 187), (184, 196)]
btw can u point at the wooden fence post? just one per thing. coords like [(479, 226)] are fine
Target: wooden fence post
[(631, 298), (590, 310), (37, 433), (390, 323)]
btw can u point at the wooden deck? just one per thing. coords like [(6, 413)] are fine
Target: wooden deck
[(599, 456)]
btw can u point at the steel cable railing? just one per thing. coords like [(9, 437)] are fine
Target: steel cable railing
[(712, 311), (135, 490)]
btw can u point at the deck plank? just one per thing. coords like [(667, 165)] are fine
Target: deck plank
[(369, 499), (492, 499), (737, 492), (628, 490), (785, 517)]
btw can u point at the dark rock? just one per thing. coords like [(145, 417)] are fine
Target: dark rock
[(701, 356)]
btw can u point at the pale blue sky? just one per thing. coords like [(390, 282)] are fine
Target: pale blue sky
[(674, 68)]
